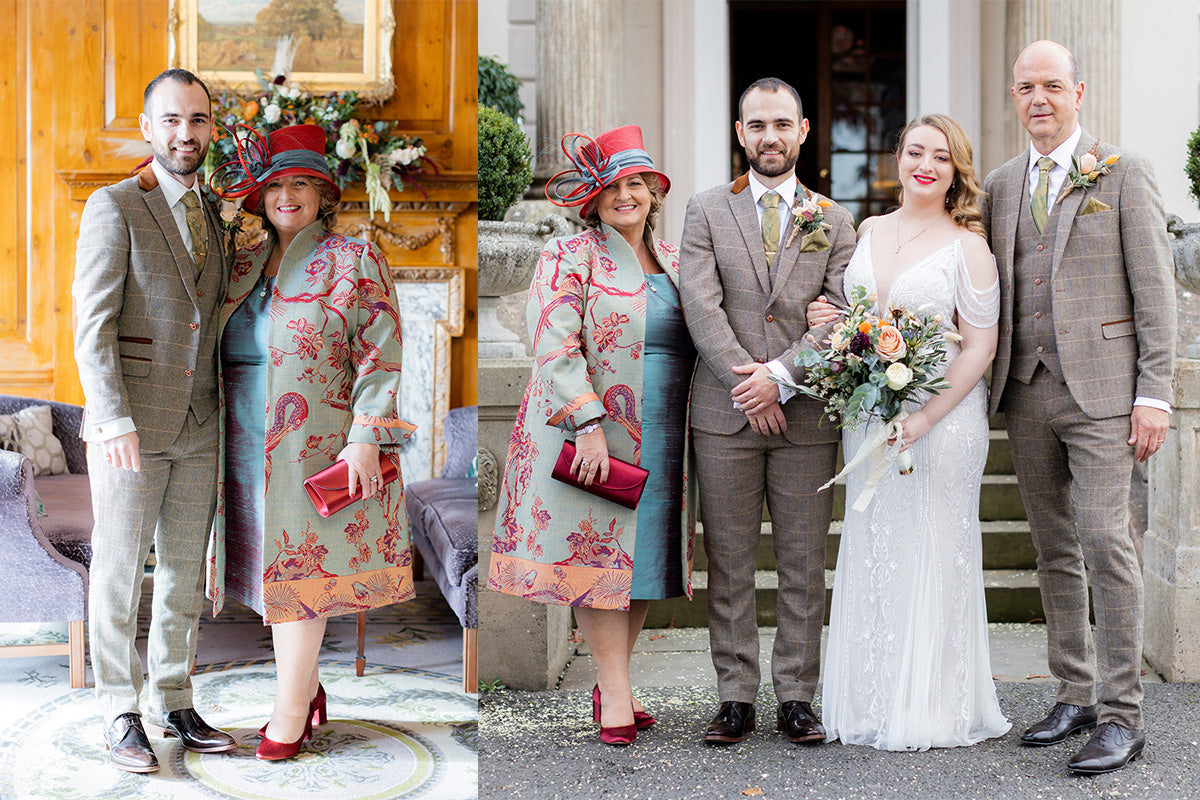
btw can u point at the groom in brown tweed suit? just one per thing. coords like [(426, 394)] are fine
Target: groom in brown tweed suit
[(1083, 373), (150, 276), (745, 307)]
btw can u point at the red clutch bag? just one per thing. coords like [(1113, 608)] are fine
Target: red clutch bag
[(329, 489), (625, 481)]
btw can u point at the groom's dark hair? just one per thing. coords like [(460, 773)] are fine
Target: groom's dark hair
[(772, 85)]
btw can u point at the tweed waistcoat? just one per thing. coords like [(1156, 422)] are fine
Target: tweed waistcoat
[(1033, 307), (203, 400)]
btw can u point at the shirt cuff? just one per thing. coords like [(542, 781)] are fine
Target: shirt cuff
[(109, 429), (1153, 403), (780, 371)]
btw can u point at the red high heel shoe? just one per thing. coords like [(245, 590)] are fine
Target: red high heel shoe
[(271, 750), (317, 707), (640, 718)]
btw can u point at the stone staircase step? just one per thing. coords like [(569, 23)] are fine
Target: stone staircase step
[(1006, 545), (999, 499), (999, 460), (1012, 596)]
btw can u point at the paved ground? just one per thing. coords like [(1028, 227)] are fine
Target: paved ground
[(543, 745)]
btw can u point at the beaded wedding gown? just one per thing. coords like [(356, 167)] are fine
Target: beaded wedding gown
[(907, 664)]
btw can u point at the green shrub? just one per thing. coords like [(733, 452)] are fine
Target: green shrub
[(1192, 167), (499, 88), (504, 163)]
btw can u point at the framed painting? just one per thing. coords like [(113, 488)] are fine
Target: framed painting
[(324, 45)]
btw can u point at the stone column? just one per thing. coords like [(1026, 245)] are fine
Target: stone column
[(1091, 30), (579, 71), (1172, 543)]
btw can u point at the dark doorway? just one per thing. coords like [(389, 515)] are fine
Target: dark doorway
[(847, 60)]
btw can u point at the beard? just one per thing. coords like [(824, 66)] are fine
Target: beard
[(179, 163), (788, 163)]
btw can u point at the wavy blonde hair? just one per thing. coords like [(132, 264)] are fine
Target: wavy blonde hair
[(590, 214), (962, 199)]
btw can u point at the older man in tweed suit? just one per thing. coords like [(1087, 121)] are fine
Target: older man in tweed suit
[(150, 276), (745, 282), (1083, 373)]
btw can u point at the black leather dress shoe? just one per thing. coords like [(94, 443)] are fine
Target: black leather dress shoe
[(799, 724), (1063, 720), (1111, 747), (731, 724), (128, 747), (195, 734)]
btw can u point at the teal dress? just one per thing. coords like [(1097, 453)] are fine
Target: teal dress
[(244, 371), (668, 362)]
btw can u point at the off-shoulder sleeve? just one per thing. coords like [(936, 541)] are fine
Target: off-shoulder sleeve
[(977, 308), (557, 298)]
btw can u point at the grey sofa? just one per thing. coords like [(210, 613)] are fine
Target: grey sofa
[(443, 522), (45, 560)]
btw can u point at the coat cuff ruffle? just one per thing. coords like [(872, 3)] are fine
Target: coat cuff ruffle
[(380, 430), (575, 413)]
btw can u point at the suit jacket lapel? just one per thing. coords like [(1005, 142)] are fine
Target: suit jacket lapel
[(788, 256), (741, 205), (161, 212), (1068, 206)]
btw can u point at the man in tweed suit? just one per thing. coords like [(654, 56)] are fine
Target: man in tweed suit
[(745, 307), (1083, 373), (150, 275)]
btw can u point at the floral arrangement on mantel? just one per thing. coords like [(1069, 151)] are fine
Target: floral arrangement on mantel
[(376, 153)]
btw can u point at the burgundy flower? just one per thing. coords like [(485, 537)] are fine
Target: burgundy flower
[(860, 343), (836, 367)]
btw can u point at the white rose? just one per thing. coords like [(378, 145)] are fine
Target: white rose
[(293, 92), (349, 129), (1087, 163), (405, 158), (345, 148), (898, 376), (271, 113)]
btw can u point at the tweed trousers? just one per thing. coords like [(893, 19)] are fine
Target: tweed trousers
[(735, 472), (170, 503), (1074, 474)]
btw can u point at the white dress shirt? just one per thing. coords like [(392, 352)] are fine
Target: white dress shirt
[(173, 191)]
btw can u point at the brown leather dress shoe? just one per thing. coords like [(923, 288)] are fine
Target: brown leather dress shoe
[(128, 747), (1063, 720), (195, 734), (731, 724), (1111, 747), (799, 724)]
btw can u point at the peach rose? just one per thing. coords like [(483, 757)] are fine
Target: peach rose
[(840, 338), (890, 346), (1087, 163)]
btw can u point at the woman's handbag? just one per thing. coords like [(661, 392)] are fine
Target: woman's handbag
[(329, 489), (625, 481)]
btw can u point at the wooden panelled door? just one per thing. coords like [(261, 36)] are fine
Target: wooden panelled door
[(847, 60)]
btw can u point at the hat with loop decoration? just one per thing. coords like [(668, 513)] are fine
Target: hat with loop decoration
[(291, 150), (600, 162)]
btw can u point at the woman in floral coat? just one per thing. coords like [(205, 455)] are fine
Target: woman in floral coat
[(613, 364), (310, 333)]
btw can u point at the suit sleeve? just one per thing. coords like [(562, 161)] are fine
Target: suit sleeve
[(702, 295), (555, 313), (1151, 271), (98, 292), (375, 351), (841, 248)]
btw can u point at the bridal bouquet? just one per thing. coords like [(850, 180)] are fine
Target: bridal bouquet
[(871, 365)]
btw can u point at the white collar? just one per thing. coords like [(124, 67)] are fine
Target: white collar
[(172, 189), (1061, 154), (785, 190)]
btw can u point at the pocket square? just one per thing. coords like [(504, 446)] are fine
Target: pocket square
[(815, 242), (1094, 206)]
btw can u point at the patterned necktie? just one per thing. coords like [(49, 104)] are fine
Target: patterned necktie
[(195, 223), (770, 225), (1039, 205)]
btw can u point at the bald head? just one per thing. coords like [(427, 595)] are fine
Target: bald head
[(1048, 94)]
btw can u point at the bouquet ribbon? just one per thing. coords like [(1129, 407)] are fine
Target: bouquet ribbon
[(882, 455)]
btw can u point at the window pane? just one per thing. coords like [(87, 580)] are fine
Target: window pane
[(848, 175)]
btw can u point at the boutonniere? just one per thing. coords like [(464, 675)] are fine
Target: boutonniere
[(1086, 170), (809, 217), (231, 221)]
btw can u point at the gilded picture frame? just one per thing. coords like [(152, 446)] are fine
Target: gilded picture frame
[(225, 52)]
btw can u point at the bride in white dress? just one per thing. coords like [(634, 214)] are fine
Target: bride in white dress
[(907, 665)]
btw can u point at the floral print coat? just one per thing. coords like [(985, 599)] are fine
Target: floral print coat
[(333, 377), (555, 543)]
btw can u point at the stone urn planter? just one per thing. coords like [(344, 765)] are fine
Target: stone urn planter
[(1185, 249), (508, 254)]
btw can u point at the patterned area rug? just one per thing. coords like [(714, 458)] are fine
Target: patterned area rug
[(403, 730)]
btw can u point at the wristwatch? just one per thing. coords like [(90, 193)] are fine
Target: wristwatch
[(591, 426)]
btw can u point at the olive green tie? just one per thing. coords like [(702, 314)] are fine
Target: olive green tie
[(1039, 205), (770, 225), (195, 223)]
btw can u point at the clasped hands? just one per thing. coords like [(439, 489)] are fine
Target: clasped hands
[(758, 397)]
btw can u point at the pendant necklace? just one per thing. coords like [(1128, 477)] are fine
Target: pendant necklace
[(899, 243)]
